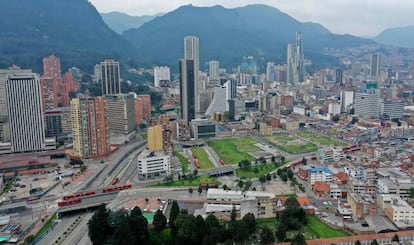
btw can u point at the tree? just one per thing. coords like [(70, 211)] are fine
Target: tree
[(266, 235), (201, 228), (175, 210), (281, 233), (160, 221), (190, 190), (411, 192), (354, 120), (268, 177), (282, 159), (139, 229), (298, 239), (284, 177), (200, 190), (247, 184), (395, 238), (241, 184), (238, 231), (357, 242), (136, 211), (335, 118), (374, 242), (250, 221), (186, 229), (273, 159), (195, 172), (225, 187), (289, 174), (233, 214), (262, 179), (98, 228)]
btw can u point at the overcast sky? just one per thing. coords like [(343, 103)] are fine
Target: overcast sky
[(358, 17)]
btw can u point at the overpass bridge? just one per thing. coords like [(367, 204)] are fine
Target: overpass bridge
[(89, 202)]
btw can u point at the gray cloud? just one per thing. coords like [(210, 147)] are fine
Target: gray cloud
[(364, 18)]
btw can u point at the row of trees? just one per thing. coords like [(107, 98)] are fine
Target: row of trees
[(123, 228), (261, 160)]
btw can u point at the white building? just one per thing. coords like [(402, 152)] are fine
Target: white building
[(347, 99), (400, 211), (299, 109), (24, 110), (334, 108), (214, 67), (153, 165), (319, 174), (367, 104), (161, 73), (392, 109)]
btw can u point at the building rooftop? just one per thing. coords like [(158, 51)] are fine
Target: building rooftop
[(149, 153), (325, 170), (220, 194)]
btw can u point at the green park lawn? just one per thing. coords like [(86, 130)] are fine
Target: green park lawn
[(320, 139), (291, 144), (201, 179), (321, 230), (250, 171), (202, 157), (234, 150), (183, 162)]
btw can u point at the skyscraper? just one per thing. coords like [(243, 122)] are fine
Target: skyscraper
[(375, 66), (295, 59), (90, 127), (25, 112), (187, 90), (111, 78), (191, 52), (213, 68)]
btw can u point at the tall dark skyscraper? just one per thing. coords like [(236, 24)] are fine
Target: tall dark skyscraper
[(111, 78), (191, 52), (187, 89)]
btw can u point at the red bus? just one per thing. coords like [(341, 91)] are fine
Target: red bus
[(115, 181)]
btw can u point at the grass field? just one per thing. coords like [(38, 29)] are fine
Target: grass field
[(234, 150), (291, 144), (321, 230), (194, 182), (251, 173), (184, 162), (314, 230), (320, 139), (202, 157)]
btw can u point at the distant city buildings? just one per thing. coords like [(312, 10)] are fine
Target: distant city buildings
[(213, 68)]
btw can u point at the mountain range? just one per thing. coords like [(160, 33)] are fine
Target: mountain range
[(120, 22), (229, 34), (399, 37), (71, 29), (74, 31)]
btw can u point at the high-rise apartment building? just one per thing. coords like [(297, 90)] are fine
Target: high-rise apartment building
[(214, 67), (155, 138), (121, 113), (97, 73), (90, 127), (161, 75), (24, 111), (69, 85), (49, 91), (58, 122), (191, 53), (142, 108), (347, 100), (375, 66), (51, 82), (111, 78), (295, 61)]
